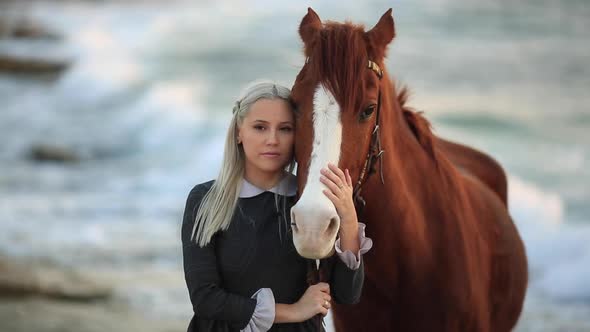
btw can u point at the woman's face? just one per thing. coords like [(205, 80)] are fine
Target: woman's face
[(267, 135)]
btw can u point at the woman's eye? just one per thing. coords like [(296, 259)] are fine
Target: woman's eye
[(258, 127), (287, 129)]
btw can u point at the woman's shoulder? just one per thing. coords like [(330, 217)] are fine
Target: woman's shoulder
[(193, 201), (202, 188), (198, 192)]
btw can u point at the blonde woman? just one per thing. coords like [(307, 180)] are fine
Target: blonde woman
[(241, 267)]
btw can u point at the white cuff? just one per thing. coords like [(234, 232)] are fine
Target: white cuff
[(264, 313), (351, 260)]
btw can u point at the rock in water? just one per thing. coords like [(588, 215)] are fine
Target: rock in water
[(44, 152), (18, 279), (25, 29), (31, 31), (15, 279), (22, 65)]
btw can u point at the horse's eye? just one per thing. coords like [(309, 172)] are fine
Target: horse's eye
[(367, 112)]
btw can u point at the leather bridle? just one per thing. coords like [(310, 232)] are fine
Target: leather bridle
[(375, 151)]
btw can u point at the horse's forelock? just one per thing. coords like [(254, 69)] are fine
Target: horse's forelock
[(338, 59)]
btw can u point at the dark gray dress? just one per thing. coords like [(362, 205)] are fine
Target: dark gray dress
[(255, 252)]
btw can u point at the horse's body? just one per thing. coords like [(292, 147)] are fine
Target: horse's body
[(466, 159), (446, 254), (476, 163)]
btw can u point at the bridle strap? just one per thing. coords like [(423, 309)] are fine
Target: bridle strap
[(319, 271), (375, 151), (370, 64)]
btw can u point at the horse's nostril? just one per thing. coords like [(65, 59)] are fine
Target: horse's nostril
[(333, 225)]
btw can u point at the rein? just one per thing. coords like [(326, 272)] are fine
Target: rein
[(320, 270)]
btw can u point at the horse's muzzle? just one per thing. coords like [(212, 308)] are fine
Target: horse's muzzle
[(314, 231)]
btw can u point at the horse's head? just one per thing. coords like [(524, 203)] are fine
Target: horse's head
[(338, 96)]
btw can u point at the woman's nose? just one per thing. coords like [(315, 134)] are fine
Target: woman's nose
[(273, 137)]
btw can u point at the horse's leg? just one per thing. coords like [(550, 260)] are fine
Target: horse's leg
[(478, 164)]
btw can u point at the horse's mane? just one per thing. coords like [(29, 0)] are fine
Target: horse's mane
[(420, 126)]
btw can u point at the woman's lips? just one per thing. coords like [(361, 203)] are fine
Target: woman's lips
[(270, 154)]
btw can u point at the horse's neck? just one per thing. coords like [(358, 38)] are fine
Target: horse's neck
[(395, 210), (416, 217), (412, 171)]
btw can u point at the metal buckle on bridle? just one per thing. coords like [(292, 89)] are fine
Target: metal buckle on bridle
[(375, 67)]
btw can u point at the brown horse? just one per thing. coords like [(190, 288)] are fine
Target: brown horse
[(446, 254)]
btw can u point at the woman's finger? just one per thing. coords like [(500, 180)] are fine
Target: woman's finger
[(333, 177), (340, 183), (333, 198), (330, 184), (324, 287), (338, 172)]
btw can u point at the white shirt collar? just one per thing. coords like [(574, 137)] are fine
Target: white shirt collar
[(286, 187)]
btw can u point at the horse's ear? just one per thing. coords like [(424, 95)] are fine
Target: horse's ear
[(382, 33), (310, 27)]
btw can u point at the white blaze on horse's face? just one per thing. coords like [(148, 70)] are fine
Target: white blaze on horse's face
[(315, 216)]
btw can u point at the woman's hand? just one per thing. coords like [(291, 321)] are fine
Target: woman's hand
[(339, 192), (315, 300)]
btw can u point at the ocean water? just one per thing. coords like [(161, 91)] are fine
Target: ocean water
[(146, 101)]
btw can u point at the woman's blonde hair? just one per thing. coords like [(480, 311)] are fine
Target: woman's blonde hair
[(218, 205)]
